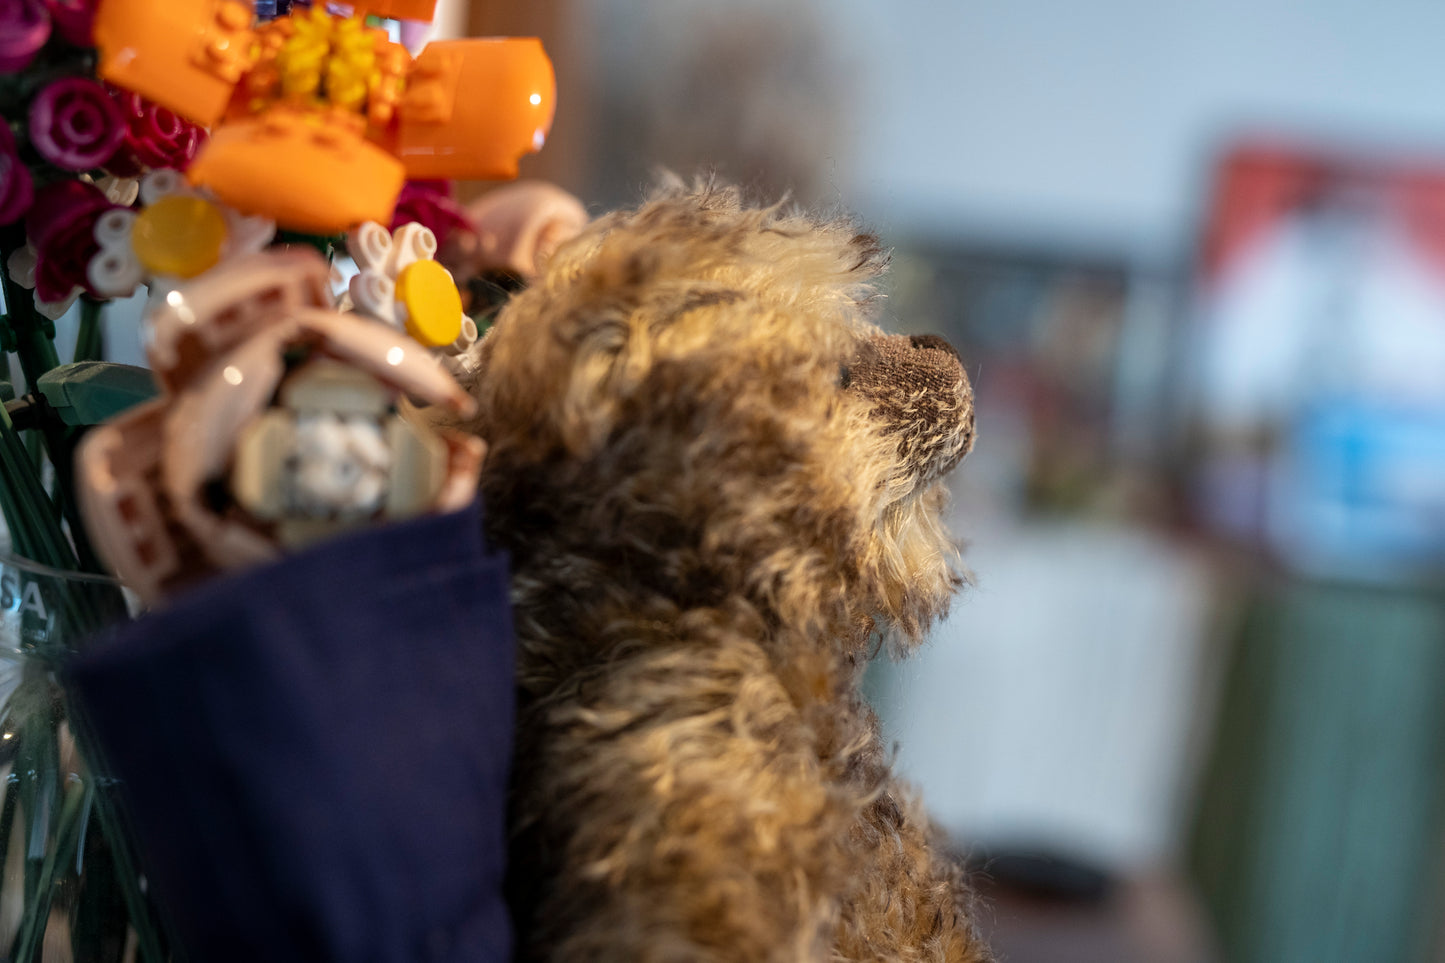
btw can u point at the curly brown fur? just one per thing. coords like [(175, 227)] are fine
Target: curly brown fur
[(718, 483)]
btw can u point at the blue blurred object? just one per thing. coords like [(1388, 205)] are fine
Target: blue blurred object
[(271, 9), (315, 753), (1362, 488)]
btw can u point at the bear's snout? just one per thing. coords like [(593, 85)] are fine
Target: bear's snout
[(936, 342), (920, 392)]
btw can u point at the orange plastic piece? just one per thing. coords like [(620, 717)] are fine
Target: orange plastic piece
[(263, 84), (186, 55), (472, 108), (399, 9), (308, 170), (392, 62), (325, 118)]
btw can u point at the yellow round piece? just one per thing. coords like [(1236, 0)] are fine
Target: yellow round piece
[(178, 235), (433, 304)]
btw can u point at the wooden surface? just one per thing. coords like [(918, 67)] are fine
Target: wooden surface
[(1146, 919)]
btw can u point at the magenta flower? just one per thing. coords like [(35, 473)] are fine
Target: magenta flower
[(154, 137), (17, 190), (75, 125), (61, 228), (430, 204), (24, 28), (73, 19)]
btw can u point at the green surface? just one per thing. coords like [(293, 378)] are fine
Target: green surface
[(1318, 837), (89, 392)]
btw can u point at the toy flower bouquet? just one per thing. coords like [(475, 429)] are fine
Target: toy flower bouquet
[(186, 148)]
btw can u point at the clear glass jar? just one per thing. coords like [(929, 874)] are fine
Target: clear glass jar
[(70, 889)]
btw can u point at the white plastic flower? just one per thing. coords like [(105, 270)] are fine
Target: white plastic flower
[(178, 233), (400, 283)]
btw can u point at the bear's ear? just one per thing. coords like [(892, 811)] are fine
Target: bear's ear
[(830, 260), (778, 254)]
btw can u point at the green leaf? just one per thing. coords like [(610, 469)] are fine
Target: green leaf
[(98, 919), (89, 392), (142, 912), (37, 763)]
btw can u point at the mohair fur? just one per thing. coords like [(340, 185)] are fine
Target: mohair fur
[(720, 487)]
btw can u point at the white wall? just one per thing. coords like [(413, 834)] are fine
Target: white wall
[(1093, 121), (1061, 706)]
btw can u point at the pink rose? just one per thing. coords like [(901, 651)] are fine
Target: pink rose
[(75, 125), (24, 28), (430, 204), (154, 137), (61, 228), (17, 190), (73, 18)]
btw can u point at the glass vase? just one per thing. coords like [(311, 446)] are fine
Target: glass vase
[(70, 889)]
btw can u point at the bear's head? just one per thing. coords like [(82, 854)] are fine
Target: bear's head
[(691, 409)]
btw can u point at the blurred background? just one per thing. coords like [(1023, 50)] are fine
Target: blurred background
[(1192, 707)]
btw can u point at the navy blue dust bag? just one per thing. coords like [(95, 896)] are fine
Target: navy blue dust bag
[(314, 753)]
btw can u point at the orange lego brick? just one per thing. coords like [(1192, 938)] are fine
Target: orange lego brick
[(186, 55), (399, 9), (472, 108), (309, 171)]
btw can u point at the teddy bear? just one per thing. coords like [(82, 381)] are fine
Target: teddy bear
[(720, 486)]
